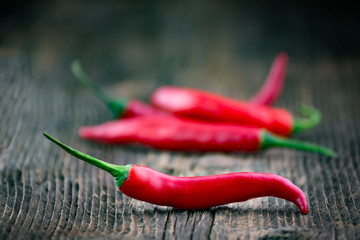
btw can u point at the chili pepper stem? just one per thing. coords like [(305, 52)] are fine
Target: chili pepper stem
[(313, 119), (270, 140), (116, 106), (119, 172)]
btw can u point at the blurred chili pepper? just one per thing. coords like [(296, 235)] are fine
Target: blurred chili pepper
[(123, 108), (274, 82), (169, 133), (146, 184), (198, 104), (120, 108)]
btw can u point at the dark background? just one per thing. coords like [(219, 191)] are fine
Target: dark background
[(131, 47)]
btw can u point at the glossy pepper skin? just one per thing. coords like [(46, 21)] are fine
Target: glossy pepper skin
[(208, 191), (169, 133), (149, 185), (127, 108), (198, 104)]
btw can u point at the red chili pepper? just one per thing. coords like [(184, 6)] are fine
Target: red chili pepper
[(169, 133), (273, 85), (123, 108), (146, 184), (198, 104)]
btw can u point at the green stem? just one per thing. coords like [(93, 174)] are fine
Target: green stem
[(119, 172), (116, 106), (313, 119), (270, 140)]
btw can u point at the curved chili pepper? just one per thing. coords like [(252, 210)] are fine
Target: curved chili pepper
[(120, 108), (123, 108), (198, 104), (274, 82), (169, 133), (146, 184)]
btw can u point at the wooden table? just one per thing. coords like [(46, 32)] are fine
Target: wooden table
[(129, 49)]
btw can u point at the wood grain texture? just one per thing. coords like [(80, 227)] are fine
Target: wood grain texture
[(130, 48)]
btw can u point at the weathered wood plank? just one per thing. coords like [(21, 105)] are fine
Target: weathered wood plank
[(130, 49)]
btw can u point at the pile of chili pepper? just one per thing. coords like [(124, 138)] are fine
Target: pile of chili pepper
[(184, 119)]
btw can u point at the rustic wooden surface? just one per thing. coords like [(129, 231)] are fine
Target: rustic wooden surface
[(130, 48)]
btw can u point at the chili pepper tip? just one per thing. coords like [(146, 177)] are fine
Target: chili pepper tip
[(274, 83)]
